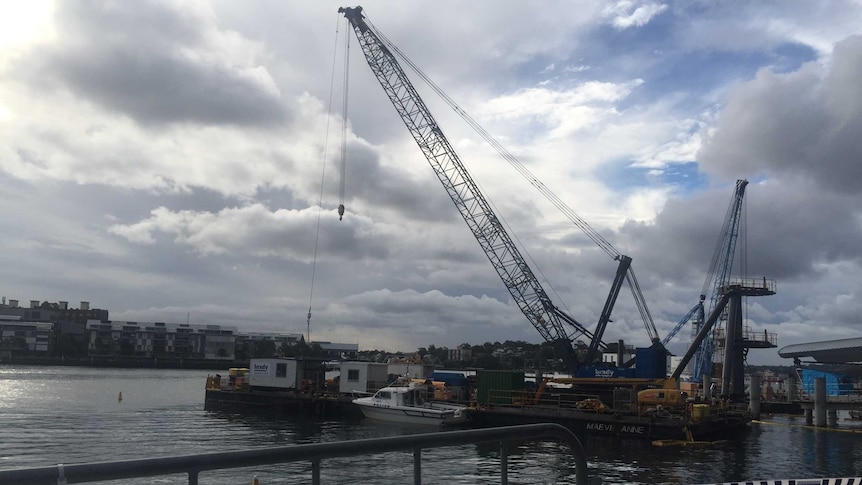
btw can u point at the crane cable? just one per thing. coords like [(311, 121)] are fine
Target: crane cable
[(322, 178), (744, 263), (343, 175), (485, 135), (597, 238)]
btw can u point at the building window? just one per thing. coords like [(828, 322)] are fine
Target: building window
[(353, 375), (280, 370)]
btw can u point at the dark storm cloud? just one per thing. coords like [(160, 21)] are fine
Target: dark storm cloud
[(806, 123), (391, 188), (151, 62), (787, 230)]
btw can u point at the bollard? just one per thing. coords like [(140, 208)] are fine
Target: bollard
[(254, 481)]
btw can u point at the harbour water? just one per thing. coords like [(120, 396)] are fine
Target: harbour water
[(51, 415)]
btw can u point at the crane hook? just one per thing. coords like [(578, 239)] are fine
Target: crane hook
[(340, 211)]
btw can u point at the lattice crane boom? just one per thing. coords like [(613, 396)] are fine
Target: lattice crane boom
[(465, 194)]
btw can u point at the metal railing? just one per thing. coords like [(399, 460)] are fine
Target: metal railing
[(315, 453)]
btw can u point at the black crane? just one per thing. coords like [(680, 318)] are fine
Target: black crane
[(719, 269), (498, 246), (718, 276)]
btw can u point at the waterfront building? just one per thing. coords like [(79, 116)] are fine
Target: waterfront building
[(335, 350), (19, 337), (159, 339), (278, 339), (52, 312), (50, 330)]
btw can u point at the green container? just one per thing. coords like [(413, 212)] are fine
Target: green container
[(497, 386)]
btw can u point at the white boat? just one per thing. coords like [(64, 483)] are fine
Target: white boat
[(407, 404)]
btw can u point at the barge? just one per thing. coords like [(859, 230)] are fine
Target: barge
[(624, 409), (279, 386)]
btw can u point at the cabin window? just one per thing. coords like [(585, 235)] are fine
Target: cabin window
[(353, 375), (384, 395), (280, 370)]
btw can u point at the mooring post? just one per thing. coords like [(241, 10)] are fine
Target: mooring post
[(754, 396), (417, 466)]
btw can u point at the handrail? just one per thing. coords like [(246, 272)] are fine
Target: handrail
[(315, 452)]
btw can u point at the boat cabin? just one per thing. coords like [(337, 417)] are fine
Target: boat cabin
[(412, 396)]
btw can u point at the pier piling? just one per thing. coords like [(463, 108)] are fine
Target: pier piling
[(820, 402)]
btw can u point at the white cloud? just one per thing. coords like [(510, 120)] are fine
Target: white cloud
[(624, 14)]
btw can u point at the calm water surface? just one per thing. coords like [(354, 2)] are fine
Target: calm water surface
[(51, 415)]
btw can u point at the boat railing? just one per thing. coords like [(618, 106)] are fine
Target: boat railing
[(315, 453), (524, 398)]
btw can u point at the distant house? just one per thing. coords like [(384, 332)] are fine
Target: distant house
[(461, 353)]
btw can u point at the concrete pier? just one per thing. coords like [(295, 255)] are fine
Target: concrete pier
[(754, 396)]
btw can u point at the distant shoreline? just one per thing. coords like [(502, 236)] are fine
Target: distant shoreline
[(133, 363)]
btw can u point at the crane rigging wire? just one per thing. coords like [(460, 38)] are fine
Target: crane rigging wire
[(597, 238), (322, 179), (488, 138), (343, 175)]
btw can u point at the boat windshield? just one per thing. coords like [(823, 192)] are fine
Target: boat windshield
[(413, 398)]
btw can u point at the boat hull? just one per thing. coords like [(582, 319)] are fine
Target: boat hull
[(414, 415)]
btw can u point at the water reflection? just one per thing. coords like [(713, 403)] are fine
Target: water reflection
[(69, 415)]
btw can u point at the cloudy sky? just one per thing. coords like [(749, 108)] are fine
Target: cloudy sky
[(181, 160)]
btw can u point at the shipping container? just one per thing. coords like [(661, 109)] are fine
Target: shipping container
[(498, 386)]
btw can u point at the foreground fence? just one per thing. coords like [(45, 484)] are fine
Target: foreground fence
[(314, 453)]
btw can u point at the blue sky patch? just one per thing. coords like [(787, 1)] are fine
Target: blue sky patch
[(622, 176)]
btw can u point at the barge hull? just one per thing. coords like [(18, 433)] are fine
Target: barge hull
[(618, 425), (276, 402)]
